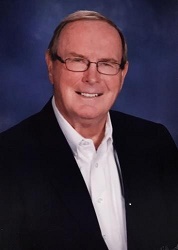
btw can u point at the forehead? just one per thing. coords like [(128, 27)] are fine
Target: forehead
[(90, 34)]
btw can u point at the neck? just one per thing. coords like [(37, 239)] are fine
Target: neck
[(95, 132), (91, 130)]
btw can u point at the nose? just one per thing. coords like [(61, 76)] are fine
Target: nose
[(91, 75)]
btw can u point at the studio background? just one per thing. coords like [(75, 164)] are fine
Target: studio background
[(151, 30)]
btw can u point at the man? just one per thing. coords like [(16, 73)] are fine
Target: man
[(77, 175)]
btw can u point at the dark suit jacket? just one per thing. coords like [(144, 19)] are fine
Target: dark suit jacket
[(44, 203)]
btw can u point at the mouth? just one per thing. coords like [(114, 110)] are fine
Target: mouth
[(89, 95)]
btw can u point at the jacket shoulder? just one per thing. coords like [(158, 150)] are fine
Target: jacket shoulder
[(131, 119), (135, 124), (140, 130), (29, 128)]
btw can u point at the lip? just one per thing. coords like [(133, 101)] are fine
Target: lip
[(89, 95)]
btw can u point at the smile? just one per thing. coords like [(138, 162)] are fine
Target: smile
[(88, 94)]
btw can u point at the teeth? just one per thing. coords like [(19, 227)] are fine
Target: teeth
[(89, 95)]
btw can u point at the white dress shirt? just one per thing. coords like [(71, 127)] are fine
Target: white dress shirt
[(100, 173)]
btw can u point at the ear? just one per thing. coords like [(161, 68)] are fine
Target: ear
[(49, 63), (124, 73)]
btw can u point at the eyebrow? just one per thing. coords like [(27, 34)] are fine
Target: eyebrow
[(103, 59), (76, 55), (108, 60)]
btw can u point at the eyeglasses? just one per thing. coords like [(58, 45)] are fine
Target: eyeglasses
[(78, 64)]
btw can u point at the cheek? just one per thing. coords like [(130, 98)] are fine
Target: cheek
[(115, 85), (66, 81), (69, 79), (119, 83)]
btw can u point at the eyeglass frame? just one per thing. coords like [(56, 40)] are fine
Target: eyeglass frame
[(59, 58)]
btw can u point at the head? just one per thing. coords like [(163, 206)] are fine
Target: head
[(86, 15), (86, 36)]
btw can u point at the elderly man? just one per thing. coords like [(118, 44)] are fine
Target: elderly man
[(78, 175)]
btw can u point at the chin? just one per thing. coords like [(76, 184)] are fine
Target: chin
[(90, 112), (87, 116)]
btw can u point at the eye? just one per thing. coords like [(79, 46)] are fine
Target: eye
[(78, 60), (106, 64)]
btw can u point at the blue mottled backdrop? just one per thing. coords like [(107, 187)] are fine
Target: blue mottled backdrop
[(151, 30)]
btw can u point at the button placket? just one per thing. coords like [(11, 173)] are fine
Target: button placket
[(98, 184)]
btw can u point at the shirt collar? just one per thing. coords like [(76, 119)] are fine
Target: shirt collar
[(73, 137)]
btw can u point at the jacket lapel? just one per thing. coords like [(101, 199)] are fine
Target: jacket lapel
[(136, 143), (65, 176), (120, 140)]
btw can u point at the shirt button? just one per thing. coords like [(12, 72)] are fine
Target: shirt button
[(83, 143), (100, 200), (96, 165)]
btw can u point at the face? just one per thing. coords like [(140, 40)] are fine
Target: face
[(86, 96)]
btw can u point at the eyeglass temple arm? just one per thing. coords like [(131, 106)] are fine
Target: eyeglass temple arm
[(56, 57)]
